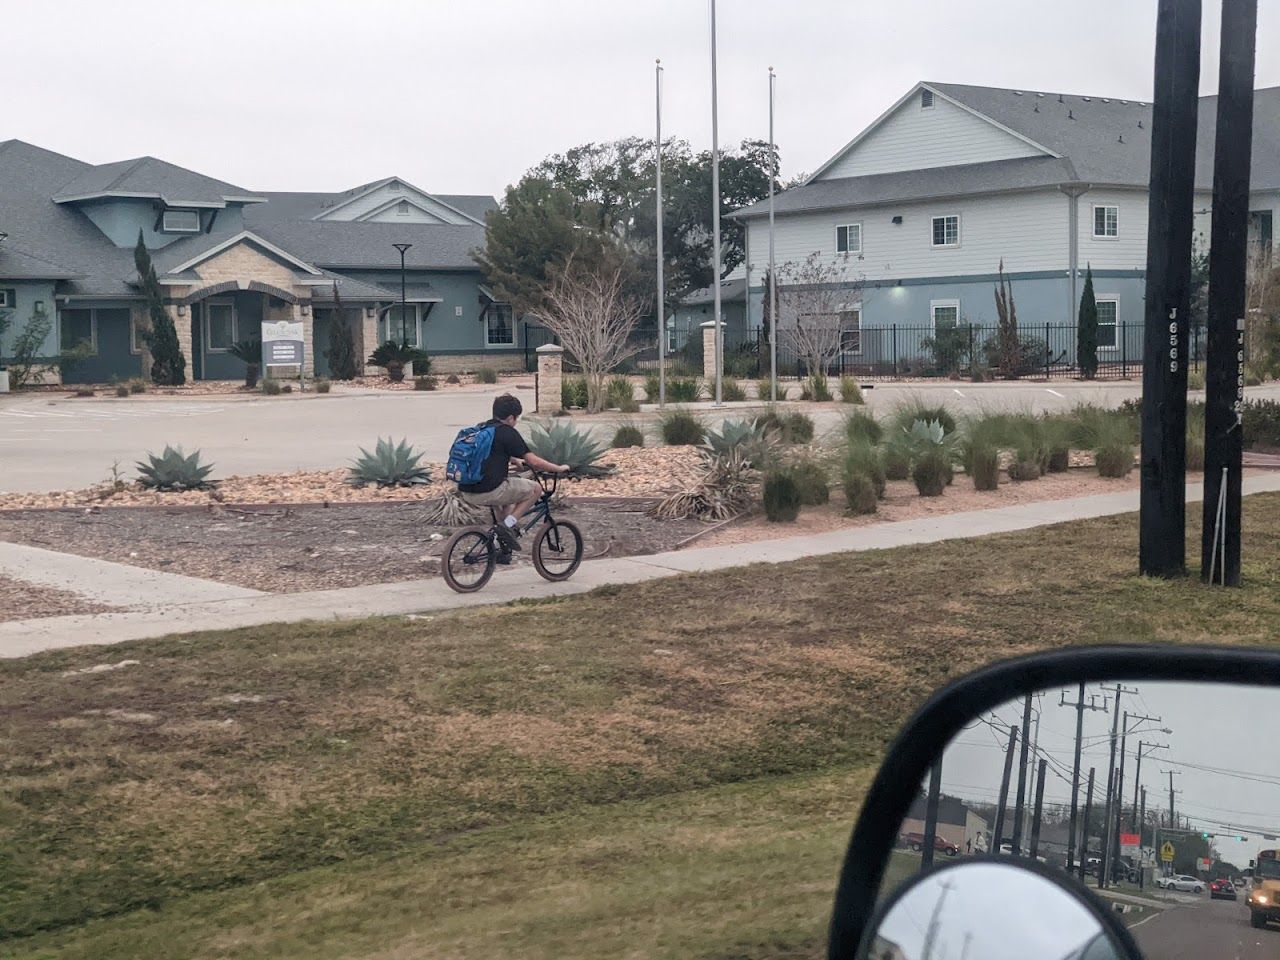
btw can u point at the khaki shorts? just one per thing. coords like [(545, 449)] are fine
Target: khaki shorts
[(512, 490)]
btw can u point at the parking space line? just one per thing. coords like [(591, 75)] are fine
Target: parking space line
[(1055, 393)]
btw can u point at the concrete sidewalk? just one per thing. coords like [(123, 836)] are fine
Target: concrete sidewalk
[(25, 637)]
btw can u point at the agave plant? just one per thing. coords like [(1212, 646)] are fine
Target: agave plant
[(724, 491), (451, 510), (561, 443), (390, 465), (750, 437), (174, 470)]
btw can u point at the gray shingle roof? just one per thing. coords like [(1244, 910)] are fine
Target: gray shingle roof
[(350, 289), (337, 243), (292, 205), (149, 177), (731, 291), (17, 264)]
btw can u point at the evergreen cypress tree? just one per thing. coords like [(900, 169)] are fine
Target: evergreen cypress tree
[(168, 365), (1087, 329), (342, 343)]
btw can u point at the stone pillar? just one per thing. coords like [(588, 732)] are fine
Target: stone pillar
[(368, 340), (550, 365), (302, 314), (180, 314), (709, 349)]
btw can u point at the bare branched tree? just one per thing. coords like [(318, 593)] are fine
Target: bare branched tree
[(818, 304), (593, 315), (1262, 309)]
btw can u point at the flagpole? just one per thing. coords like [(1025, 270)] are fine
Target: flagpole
[(772, 292), (662, 302), (715, 211)]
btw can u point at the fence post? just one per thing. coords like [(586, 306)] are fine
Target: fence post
[(1048, 350), (971, 367), (895, 351), (1124, 353)]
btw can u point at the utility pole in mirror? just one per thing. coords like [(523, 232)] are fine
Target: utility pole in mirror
[(1018, 808), (1142, 823), (1084, 833), (1104, 872), (998, 838), (1080, 708), (1035, 815), (1119, 808), (1228, 256), (931, 816), (1162, 515)]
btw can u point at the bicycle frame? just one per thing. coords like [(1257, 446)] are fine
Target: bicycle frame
[(540, 512)]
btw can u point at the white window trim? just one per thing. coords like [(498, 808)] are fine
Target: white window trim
[(959, 232), (934, 305), (165, 228), (4, 298), (93, 328), (851, 308), (488, 343), (1105, 206), (235, 325), (846, 226), (135, 344), (416, 309), (1110, 298)]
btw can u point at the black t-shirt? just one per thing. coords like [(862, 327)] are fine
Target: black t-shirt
[(507, 443)]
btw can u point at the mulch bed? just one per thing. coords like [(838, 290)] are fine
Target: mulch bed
[(20, 600), (291, 548)]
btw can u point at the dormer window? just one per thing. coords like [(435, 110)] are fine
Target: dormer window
[(394, 186), (926, 99), (180, 221), (402, 208)]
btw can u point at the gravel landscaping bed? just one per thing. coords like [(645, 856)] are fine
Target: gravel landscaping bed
[(309, 547), (20, 600)]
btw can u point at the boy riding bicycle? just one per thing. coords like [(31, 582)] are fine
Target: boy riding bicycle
[(496, 488)]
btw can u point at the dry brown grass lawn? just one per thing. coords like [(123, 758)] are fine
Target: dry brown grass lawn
[(221, 760)]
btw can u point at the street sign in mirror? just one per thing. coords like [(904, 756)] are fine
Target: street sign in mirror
[(282, 343)]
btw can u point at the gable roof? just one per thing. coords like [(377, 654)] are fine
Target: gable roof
[(192, 251), (150, 178), (355, 193)]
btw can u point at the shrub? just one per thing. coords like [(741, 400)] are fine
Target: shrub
[(452, 378), (724, 491), (931, 473), (561, 443), (863, 458), (573, 392), (984, 465), (816, 389), (811, 480), (681, 428), (1195, 380), (916, 408), (862, 425), (781, 497), (270, 387), (684, 389), (860, 492), (1089, 422), (628, 435), (1057, 436), (322, 386), (425, 383), (619, 393), (1261, 423), (1031, 449), (1195, 442), (1023, 469), (794, 427), (121, 390), (249, 352), (850, 392), (731, 391), (764, 389), (652, 388), (286, 388), (84, 392), (174, 470), (1113, 451), (137, 385), (393, 356), (390, 465), (483, 375), (897, 461)]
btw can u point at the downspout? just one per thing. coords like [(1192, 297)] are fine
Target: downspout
[(1074, 192)]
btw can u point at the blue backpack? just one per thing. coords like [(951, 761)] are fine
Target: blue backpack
[(470, 449)]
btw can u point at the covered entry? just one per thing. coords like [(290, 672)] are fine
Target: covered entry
[(222, 316)]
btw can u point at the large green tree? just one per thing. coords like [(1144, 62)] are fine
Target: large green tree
[(1087, 329), (168, 365)]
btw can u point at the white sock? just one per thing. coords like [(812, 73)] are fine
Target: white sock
[(510, 522)]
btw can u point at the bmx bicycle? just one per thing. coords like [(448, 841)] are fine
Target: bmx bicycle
[(471, 554)]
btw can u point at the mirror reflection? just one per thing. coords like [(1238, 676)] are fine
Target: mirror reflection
[(965, 914), (1160, 798)]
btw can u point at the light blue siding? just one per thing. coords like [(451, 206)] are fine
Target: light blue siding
[(120, 220), (26, 295)]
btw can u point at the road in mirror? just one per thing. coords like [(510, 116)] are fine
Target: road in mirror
[(964, 914), (1170, 814)]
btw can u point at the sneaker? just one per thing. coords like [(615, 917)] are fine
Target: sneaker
[(504, 558), (507, 537)]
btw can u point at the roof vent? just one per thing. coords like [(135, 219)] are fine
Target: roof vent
[(1037, 108), (1139, 124), (1105, 100), (1039, 96), (1017, 93), (1060, 100), (1086, 100), (1121, 140), (1125, 102)]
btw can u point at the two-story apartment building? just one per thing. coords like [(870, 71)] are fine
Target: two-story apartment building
[(921, 207), (229, 258)]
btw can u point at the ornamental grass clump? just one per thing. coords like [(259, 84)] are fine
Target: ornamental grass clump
[(816, 389), (850, 392), (174, 470), (781, 496), (562, 443), (573, 392), (681, 428), (652, 388), (425, 383), (765, 388), (1113, 448), (1057, 435), (793, 427), (619, 394), (860, 492), (627, 435), (916, 408), (684, 389), (812, 482), (931, 451), (389, 465), (731, 391), (483, 375), (861, 425), (983, 459), (866, 459), (1195, 441)]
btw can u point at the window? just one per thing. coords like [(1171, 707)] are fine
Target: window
[(851, 330), (1108, 313), (946, 231), (135, 337), (392, 330), (1106, 223), (219, 326), (500, 331), (8, 299), (1260, 228), (945, 314), (77, 326), (180, 221), (849, 238), (402, 208), (926, 99)]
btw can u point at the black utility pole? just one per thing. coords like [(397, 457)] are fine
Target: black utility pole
[(1119, 814), (404, 335), (931, 816), (1075, 768), (1036, 810), (1142, 823), (1084, 832), (1018, 808), (1004, 791), (1162, 517), (1144, 749), (1228, 254), (1111, 779)]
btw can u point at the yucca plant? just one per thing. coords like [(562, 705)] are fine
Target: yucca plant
[(174, 470), (390, 465), (723, 491), (562, 443), (451, 510), (249, 352)]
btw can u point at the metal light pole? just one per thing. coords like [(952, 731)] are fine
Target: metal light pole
[(715, 210), (772, 292), (662, 299), (404, 336)]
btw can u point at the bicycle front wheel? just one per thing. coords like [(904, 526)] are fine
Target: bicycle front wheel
[(468, 559), (557, 550)]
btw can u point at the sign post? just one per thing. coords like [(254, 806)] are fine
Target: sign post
[(282, 344)]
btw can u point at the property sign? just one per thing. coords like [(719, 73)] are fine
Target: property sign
[(1204, 863), (282, 343), (1131, 841), (1166, 852)]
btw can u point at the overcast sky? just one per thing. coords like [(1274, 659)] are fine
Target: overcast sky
[(463, 96)]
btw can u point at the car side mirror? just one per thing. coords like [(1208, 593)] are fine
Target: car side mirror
[(1048, 778)]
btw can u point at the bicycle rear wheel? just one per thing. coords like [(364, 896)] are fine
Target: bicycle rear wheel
[(468, 559), (557, 550)]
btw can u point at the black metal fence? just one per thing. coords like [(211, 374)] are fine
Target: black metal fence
[(967, 351)]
